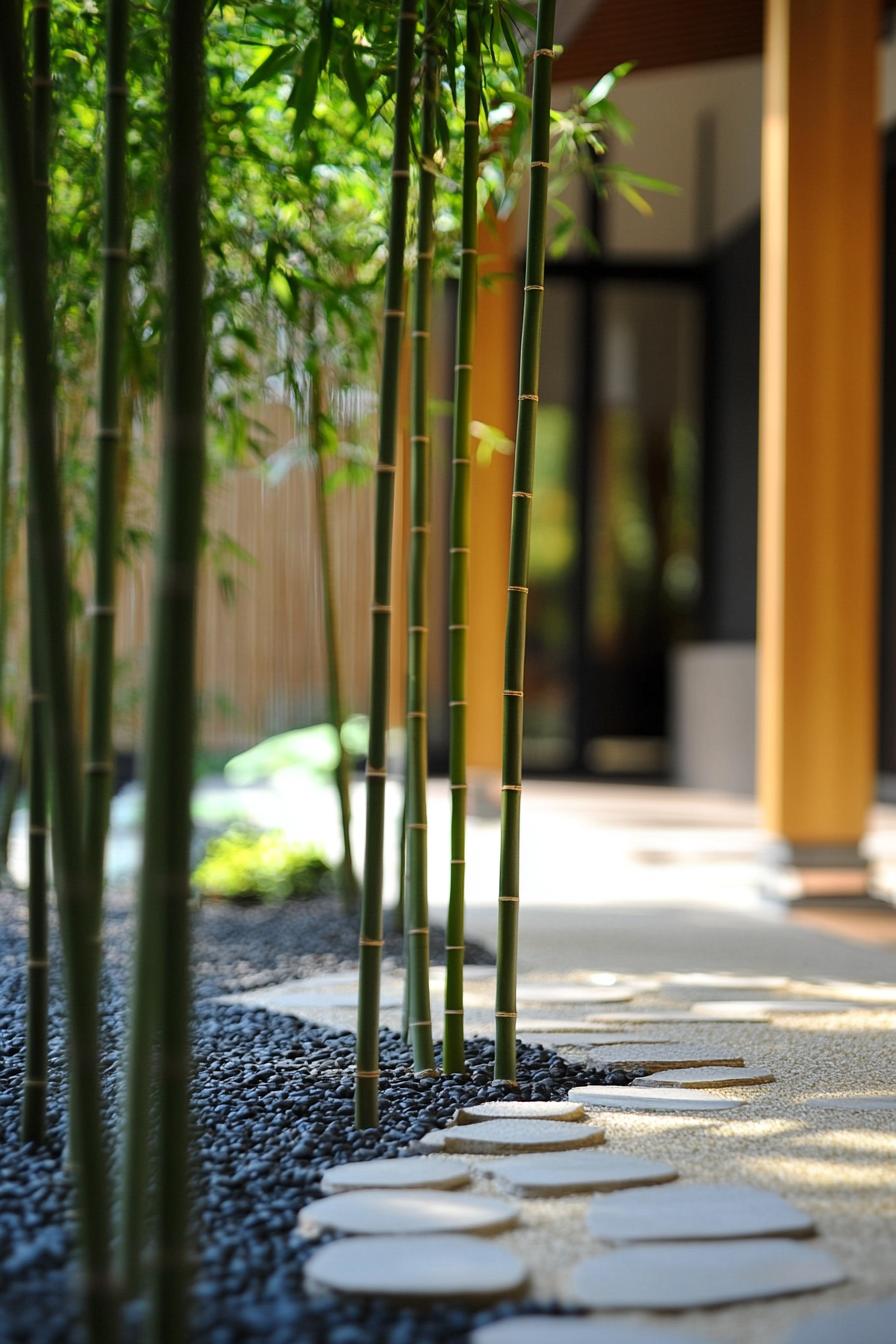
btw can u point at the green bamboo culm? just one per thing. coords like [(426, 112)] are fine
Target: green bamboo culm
[(26, 213), (453, 1060), (416, 895), (164, 894), (335, 698), (10, 784), (35, 1087), (371, 935), (98, 767), (518, 577)]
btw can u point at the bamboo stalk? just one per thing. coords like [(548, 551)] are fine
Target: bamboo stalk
[(26, 208), (98, 768), (417, 903), (518, 578), (459, 556), (10, 785), (371, 935), (34, 1098), (163, 914), (331, 639)]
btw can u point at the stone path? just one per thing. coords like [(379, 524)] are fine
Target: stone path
[(803, 1163)]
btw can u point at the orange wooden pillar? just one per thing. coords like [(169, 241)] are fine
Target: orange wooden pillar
[(494, 403), (819, 441)]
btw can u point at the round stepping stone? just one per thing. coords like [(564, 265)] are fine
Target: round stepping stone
[(519, 1110), (723, 1009), (868, 1102), (397, 1173), (701, 1274), (575, 1330), (513, 1136), (414, 1269), (695, 1213), (651, 1099), (583, 1040), (708, 1077), (726, 980), (560, 993), (405, 1212), (867, 1323), (576, 1172), (731, 1013), (656, 1057)]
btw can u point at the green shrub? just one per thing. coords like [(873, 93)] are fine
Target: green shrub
[(260, 867)]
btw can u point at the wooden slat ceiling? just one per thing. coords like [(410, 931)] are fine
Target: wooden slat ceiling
[(662, 33)]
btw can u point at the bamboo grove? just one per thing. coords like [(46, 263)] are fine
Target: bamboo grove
[(208, 223)]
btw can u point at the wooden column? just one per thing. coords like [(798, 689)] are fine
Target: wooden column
[(494, 403), (819, 439)]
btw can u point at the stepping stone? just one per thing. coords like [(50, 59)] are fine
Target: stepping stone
[(560, 993), (866, 1323), (704, 1077), (513, 1136), (725, 980), (397, 1173), (405, 1212), (701, 1274), (519, 1110), (627, 1018), (582, 1040), (655, 1057), (577, 1330), (866, 1102), (651, 1099), (575, 1172), (694, 1213), (730, 1010), (415, 1269), (635, 984)]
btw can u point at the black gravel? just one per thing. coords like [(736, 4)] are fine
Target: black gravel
[(273, 1108)]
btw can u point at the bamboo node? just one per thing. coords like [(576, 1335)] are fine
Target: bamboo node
[(41, 81), (458, 367), (517, 588), (458, 550), (367, 1073), (372, 773), (472, 123), (420, 1024), (380, 609), (458, 627), (526, 288), (528, 396), (456, 704), (422, 529), (401, 172), (36, 963), (38, 830), (457, 786), (37, 697), (418, 629), (419, 438), (522, 494), (453, 1012), (469, 251), (503, 1014), (38, 1083), (419, 931), (109, 433), (514, 900), (419, 335), (370, 942), (416, 713), (511, 788), (507, 692), (539, 163), (459, 861), (455, 947), (426, 256), (416, 826), (100, 609), (393, 312), (544, 51), (115, 253), (97, 767), (385, 466), (119, 90)]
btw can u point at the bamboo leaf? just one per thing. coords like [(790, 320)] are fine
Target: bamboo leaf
[(275, 63), (354, 81), (305, 88), (326, 32)]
